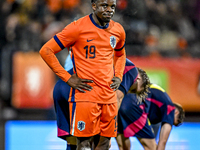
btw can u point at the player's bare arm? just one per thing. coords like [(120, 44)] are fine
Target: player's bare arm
[(120, 96), (116, 83), (79, 84), (164, 135)]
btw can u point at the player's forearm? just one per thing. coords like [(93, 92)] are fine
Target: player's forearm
[(119, 62), (47, 52), (120, 96), (164, 135)]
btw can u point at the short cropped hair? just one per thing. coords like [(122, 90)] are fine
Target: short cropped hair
[(181, 116)]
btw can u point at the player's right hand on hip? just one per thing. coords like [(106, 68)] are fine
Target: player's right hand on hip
[(79, 84)]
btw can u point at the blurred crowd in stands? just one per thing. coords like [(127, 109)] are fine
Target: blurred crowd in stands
[(154, 28), (168, 27)]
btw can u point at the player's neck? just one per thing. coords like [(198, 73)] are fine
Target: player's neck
[(98, 20)]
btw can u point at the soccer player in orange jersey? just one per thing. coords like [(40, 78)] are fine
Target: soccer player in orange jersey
[(97, 44)]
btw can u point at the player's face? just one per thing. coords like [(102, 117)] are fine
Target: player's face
[(137, 85), (177, 121), (104, 10), (140, 86)]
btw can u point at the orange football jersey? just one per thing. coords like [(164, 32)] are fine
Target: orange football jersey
[(93, 48)]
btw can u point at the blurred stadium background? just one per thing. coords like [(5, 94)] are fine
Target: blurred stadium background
[(162, 38)]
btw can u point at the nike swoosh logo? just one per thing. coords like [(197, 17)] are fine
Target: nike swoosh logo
[(90, 40)]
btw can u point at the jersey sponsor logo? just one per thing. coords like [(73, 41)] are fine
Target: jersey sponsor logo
[(90, 40), (113, 41), (81, 125)]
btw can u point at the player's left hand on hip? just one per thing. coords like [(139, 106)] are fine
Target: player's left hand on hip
[(116, 83)]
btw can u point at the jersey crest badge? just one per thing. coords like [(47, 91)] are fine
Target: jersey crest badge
[(113, 41), (81, 125)]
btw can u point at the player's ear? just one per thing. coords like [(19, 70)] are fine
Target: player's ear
[(94, 6), (139, 77), (176, 112)]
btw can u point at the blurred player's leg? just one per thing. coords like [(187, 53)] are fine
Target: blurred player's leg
[(148, 144), (84, 143), (71, 142), (71, 147), (123, 143), (104, 143)]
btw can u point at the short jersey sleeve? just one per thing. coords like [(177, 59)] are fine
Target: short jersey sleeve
[(167, 110), (129, 76), (162, 108)]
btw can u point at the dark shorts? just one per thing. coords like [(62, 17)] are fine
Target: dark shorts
[(60, 96)]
